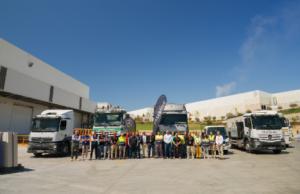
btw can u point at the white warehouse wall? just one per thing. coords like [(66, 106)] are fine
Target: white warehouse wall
[(284, 99), (17, 59)]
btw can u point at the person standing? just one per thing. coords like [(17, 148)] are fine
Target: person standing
[(172, 145), (114, 147), (219, 144), (122, 146), (205, 145), (138, 146), (197, 145), (144, 144), (127, 148), (132, 146), (101, 146), (190, 147), (107, 146), (176, 143), (212, 142), (85, 141), (94, 145), (167, 143), (151, 145), (75, 145), (158, 144)]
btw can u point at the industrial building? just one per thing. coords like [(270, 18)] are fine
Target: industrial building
[(28, 86), (233, 104)]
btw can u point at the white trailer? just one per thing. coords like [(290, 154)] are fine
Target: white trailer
[(51, 132), (261, 130)]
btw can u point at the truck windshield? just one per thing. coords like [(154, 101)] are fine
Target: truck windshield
[(45, 124), (266, 122), (105, 119), (215, 129), (172, 119)]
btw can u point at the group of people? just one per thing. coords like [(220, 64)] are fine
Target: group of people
[(134, 145)]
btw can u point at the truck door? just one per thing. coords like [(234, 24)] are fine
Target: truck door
[(62, 129), (248, 126)]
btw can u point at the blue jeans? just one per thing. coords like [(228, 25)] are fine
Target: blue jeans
[(167, 150)]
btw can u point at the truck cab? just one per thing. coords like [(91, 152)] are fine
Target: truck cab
[(261, 130), (174, 119), (110, 119), (223, 132), (51, 132)]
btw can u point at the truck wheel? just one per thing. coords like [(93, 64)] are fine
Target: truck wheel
[(247, 146), (65, 150), (276, 151), (225, 152), (37, 154)]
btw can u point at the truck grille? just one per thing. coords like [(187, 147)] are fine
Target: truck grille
[(41, 139), (270, 137)]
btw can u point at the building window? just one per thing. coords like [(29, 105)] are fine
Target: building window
[(3, 71)]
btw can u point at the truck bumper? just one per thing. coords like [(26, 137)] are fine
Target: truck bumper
[(49, 148), (258, 145)]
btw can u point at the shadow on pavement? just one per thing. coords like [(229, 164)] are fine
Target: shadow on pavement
[(19, 169)]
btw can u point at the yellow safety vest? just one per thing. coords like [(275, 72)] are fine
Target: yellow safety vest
[(211, 138), (121, 139), (182, 138), (197, 140), (159, 137)]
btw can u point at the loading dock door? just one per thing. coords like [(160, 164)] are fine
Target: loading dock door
[(21, 119)]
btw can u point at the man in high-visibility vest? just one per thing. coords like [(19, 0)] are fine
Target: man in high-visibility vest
[(122, 148), (212, 143), (158, 143)]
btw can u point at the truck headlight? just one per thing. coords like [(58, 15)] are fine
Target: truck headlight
[(227, 140)]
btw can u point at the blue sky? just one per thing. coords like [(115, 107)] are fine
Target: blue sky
[(130, 52)]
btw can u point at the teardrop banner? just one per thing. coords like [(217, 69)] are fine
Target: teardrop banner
[(158, 109)]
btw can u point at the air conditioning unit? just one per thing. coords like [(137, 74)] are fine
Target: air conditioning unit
[(8, 150)]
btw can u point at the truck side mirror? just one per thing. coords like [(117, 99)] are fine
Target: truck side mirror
[(63, 125)]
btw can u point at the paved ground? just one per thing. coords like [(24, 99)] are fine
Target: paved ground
[(240, 173)]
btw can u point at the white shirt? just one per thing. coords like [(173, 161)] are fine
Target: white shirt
[(219, 140), (168, 138), (144, 139)]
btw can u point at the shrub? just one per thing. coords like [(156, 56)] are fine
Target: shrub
[(293, 105), (229, 115)]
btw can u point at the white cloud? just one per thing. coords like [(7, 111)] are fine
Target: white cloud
[(225, 89)]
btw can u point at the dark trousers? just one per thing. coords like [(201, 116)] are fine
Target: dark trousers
[(100, 151), (167, 150), (138, 151), (94, 148), (132, 152), (183, 151), (176, 151), (74, 149), (151, 150), (159, 149)]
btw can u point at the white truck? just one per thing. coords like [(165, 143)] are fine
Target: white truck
[(223, 132), (261, 130), (174, 119), (51, 132)]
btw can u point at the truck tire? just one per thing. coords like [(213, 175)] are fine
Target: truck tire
[(37, 154), (276, 151), (66, 149), (226, 152), (247, 146)]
